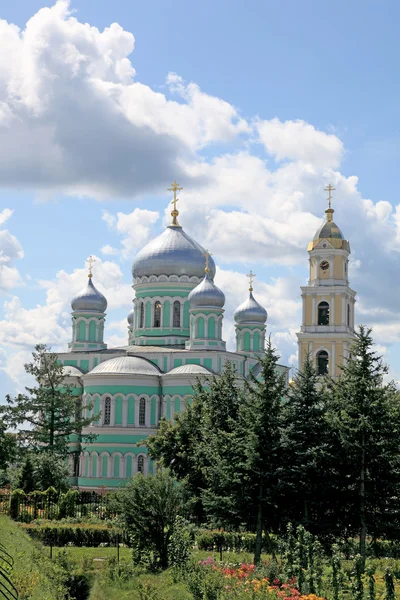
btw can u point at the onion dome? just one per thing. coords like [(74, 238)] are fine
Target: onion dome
[(329, 230), (126, 365), (173, 252), (206, 294), (130, 316), (250, 311), (89, 299)]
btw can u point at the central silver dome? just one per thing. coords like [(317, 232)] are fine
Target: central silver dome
[(173, 252)]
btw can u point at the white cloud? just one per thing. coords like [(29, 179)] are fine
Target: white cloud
[(300, 141), (108, 250), (134, 228), (10, 250)]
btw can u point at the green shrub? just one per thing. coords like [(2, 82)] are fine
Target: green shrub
[(91, 536), (220, 540)]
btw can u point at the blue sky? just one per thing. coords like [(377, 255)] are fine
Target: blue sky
[(269, 101)]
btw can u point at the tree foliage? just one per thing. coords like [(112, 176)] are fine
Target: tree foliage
[(50, 412)]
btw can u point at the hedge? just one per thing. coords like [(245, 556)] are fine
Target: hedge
[(90, 536), (220, 540)]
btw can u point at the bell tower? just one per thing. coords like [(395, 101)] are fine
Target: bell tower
[(327, 329)]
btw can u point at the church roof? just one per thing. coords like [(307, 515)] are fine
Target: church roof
[(173, 252), (206, 293), (126, 365), (189, 370), (70, 371), (250, 311)]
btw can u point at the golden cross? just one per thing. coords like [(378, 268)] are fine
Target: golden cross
[(175, 188), (90, 262), (207, 255), (329, 188), (251, 277)]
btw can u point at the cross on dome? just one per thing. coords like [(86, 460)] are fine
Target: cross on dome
[(207, 255), (329, 188), (174, 213), (90, 261), (251, 277)]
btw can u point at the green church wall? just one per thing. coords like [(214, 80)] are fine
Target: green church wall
[(193, 361), (121, 389), (84, 365), (168, 410), (114, 438), (131, 410), (70, 363), (95, 362), (208, 363), (166, 315), (128, 466), (186, 315), (165, 364), (200, 327), (104, 466), (256, 342), (211, 328), (92, 331), (246, 341), (82, 331), (118, 410), (177, 406), (153, 412), (96, 410), (116, 466), (177, 362), (148, 314)]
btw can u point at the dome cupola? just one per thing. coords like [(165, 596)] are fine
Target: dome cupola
[(89, 299), (206, 294), (250, 311), (130, 317), (250, 318)]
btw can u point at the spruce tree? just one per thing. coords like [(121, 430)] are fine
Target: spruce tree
[(305, 450), (260, 429), (27, 480), (50, 412), (365, 413)]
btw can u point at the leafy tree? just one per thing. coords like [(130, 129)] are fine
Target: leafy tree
[(50, 412), (364, 411), (50, 471), (8, 451), (306, 450), (150, 506)]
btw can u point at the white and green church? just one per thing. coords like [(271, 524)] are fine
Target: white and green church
[(175, 337)]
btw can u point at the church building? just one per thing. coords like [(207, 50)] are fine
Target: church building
[(175, 336)]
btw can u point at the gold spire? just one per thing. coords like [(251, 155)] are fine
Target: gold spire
[(174, 213), (90, 262), (207, 255), (251, 277), (329, 211)]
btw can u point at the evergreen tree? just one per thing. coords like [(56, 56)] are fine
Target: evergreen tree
[(49, 413), (27, 479), (365, 413), (306, 451), (260, 429)]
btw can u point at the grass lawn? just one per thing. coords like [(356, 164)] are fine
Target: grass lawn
[(30, 563)]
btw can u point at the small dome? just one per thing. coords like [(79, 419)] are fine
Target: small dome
[(89, 299), (206, 294), (250, 311), (126, 365), (328, 230), (70, 371), (189, 370), (130, 316), (171, 253)]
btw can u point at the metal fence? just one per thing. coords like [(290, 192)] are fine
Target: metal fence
[(7, 588), (50, 505)]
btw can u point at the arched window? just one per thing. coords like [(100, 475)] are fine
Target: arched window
[(107, 411), (140, 464), (348, 315), (157, 314), (323, 313), (142, 412), (322, 362), (176, 314), (141, 315)]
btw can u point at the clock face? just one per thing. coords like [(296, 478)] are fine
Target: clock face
[(324, 265)]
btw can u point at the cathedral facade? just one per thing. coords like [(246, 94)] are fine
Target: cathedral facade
[(175, 337)]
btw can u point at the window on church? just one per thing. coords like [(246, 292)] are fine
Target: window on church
[(142, 412), (348, 315), (322, 362), (140, 464), (107, 411), (157, 314), (176, 315), (141, 315), (323, 313)]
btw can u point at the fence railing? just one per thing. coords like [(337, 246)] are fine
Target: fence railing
[(7, 588), (51, 505)]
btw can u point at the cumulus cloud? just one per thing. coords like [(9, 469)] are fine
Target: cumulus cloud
[(134, 229), (73, 118), (10, 250)]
